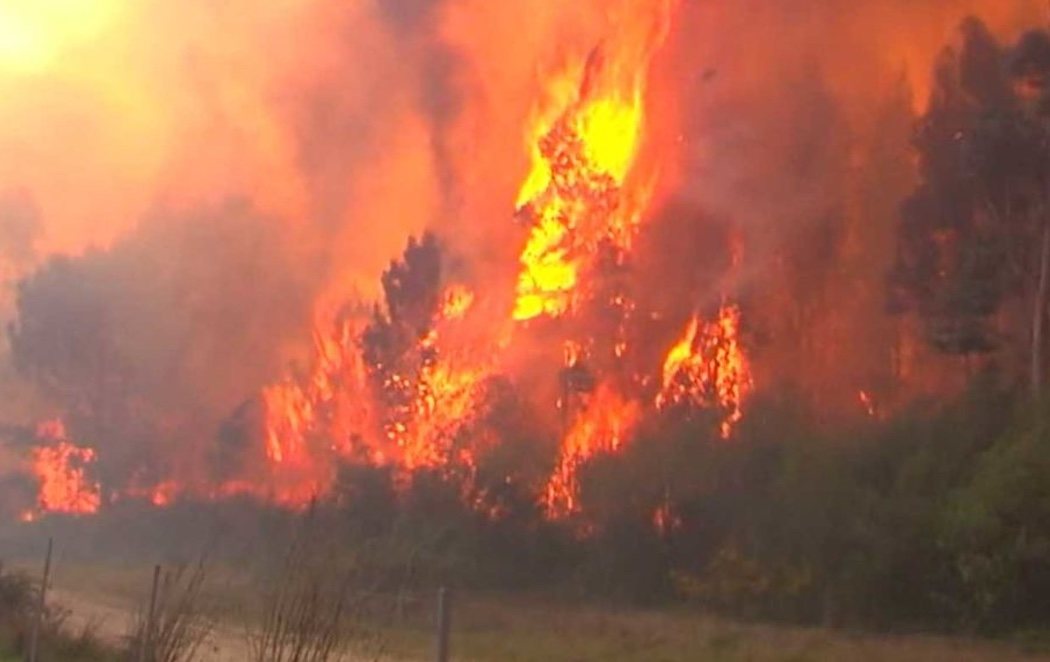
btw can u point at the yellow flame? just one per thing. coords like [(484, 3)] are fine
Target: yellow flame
[(583, 143), (457, 302), (610, 129)]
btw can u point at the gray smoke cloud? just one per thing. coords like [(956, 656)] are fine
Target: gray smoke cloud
[(439, 90), (148, 345)]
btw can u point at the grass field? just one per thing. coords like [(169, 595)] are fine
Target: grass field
[(494, 629), (502, 628)]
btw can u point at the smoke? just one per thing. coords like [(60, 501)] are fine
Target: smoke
[(19, 233), (148, 345), (794, 123), (151, 306), (150, 104), (439, 94), (19, 228)]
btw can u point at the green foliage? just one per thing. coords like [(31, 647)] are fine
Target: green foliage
[(997, 528), (938, 520), (18, 604)]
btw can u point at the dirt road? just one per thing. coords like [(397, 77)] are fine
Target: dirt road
[(112, 620)]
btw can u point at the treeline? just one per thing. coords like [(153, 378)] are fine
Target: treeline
[(936, 517), (939, 521), (973, 240), (926, 521)]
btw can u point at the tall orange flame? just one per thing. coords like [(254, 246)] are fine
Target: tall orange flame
[(311, 424)]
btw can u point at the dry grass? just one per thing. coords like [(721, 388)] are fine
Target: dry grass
[(303, 617), (500, 629), (179, 625), (313, 605), (19, 597), (514, 629)]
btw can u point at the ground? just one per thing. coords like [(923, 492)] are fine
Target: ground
[(519, 629)]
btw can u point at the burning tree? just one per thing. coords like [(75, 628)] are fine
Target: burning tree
[(382, 392), (397, 345), (431, 380)]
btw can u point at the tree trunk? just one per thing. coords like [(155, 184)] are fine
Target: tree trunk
[(1039, 313)]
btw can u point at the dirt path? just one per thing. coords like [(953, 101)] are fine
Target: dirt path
[(111, 618), (112, 621)]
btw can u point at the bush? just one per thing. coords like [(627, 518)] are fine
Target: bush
[(996, 529), (179, 625), (19, 598)]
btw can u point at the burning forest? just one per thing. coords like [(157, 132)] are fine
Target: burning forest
[(595, 267), (408, 384)]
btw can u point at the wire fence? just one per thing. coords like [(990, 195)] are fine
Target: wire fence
[(150, 636)]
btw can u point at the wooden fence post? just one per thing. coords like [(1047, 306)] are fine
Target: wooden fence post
[(34, 639), (147, 633), (444, 623)]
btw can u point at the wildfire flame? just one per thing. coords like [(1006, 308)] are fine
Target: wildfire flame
[(583, 147), (404, 388), (585, 202), (709, 367), (867, 402), (444, 400), (60, 467), (307, 421), (311, 423), (458, 300), (665, 520), (604, 423)]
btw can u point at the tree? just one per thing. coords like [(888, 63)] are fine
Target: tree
[(1030, 68), (394, 345), (973, 238), (64, 339), (412, 293)]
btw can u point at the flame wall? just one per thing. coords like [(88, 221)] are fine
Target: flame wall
[(227, 176)]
